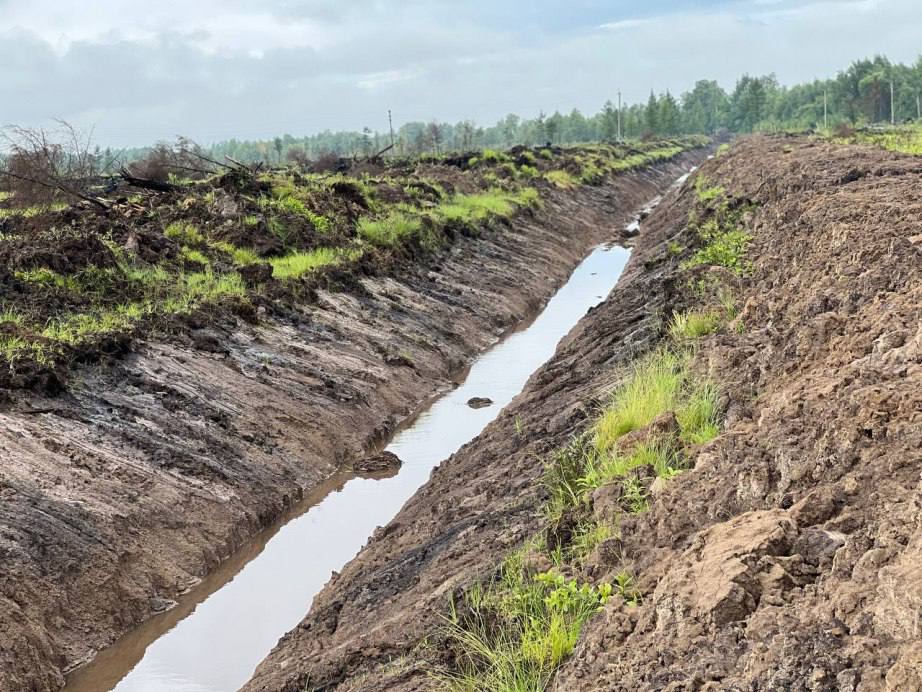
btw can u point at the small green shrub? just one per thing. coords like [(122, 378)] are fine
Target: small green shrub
[(705, 192), (726, 249), (539, 619)]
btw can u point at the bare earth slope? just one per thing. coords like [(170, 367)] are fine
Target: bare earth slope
[(790, 556), (120, 494)]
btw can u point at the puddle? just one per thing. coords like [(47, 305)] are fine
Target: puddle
[(214, 639)]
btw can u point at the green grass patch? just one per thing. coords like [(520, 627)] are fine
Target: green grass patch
[(723, 241), (706, 192), (298, 264), (11, 316), (393, 230), (167, 294), (527, 171), (562, 179), (906, 139), (30, 212), (184, 233), (660, 382), (241, 256), (15, 348), (195, 256), (652, 388), (725, 248)]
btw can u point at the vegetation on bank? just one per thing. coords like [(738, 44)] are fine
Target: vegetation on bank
[(77, 281), (906, 139), (717, 224), (512, 631)]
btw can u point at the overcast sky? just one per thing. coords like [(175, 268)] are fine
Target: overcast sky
[(216, 69)]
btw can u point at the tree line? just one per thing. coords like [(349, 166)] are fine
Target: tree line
[(858, 95)]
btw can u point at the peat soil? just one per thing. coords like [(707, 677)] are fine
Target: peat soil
[(790, 556), (125, 490)]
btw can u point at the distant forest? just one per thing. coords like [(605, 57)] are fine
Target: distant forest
[(858, 95)]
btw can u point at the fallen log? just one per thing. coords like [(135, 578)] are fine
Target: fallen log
[(146, 183)]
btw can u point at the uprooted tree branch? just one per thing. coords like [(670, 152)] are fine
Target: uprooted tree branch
[(42, 167)]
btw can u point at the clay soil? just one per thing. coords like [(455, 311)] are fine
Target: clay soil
[(151, 468), (790, 556)]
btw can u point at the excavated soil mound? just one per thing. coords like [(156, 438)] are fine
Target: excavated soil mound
[(790, 556)]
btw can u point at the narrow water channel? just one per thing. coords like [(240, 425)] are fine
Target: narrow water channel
[(214, 639)]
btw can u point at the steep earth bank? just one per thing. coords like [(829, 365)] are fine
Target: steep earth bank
[(790, 555), (123, 492)]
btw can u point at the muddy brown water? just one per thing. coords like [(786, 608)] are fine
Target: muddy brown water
[(215, 637)]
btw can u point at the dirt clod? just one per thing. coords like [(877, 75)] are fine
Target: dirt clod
[(383, 462)]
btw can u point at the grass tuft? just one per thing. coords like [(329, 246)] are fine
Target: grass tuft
[(693, 324), (651, 389), (298, 264), (184, 233), (393, 230), (562, 179)]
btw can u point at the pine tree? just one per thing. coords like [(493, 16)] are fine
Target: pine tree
[(651, 115)]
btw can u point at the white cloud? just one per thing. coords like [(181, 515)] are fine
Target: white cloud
[(212, 24), (624, 24), (377, 80), (240, 68)]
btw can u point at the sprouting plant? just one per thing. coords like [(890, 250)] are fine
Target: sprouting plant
[(625, 587)]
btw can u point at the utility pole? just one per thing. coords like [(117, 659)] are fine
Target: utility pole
[(918, 107), (892, 112), (390, 122), (619, 116), (825, 111)]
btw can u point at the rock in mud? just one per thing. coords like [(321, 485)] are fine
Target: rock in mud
[(607, 501), (383, 462), (479, 402)]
